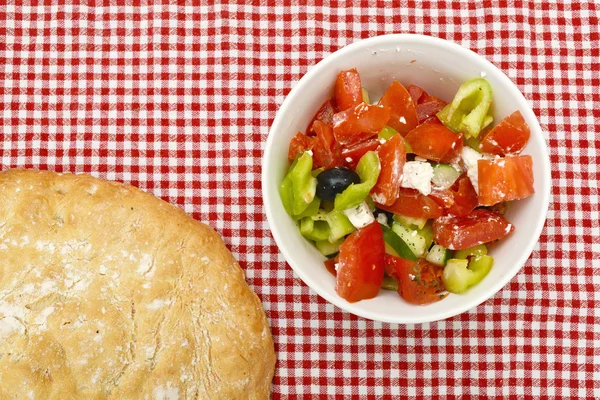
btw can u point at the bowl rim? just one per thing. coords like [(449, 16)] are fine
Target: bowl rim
[(334, 299)]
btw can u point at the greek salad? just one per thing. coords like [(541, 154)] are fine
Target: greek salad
[(404, 194)]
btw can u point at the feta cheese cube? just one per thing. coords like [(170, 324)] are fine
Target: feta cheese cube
[(378, 198), (360, 216), (382, 219), (469, 159), (417, 175)]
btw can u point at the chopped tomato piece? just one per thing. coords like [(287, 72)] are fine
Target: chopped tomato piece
[(411, 203), (480, 226), (429, 107), (325, 114), (434, 141), (348, 89), (416, 93), (403, 113), (465, 197), (326, 151), (505, 179), (427, 98), (299, 144), (394, 265), (508, 137), (392, 155), (330, 265), (499, 208), (359, 123), (361, 264), (351, 155), (424, 97), (418, 283), (444, 197)]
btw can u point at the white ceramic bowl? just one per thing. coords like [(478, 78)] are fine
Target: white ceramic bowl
[(439, 67)]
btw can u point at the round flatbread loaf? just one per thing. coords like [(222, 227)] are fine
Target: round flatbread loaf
[(107, 292)]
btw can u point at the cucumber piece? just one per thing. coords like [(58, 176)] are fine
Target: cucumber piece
[(416, 242), (456, 276), (314, 230), (477, 251), (439, 255), (427, 233), (365, 96), (444, 175), (339, 225), (327, 248), (410, 222), (397, 245), (389, 283)]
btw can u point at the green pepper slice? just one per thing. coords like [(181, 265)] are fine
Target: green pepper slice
[(368, 169), (387, 132), (468, 111), (298, 188), (473, 143), (316, 172), (314, 230), (311, 211), (459, 275), (476, 251)]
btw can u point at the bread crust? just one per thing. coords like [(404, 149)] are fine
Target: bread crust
[(107, 292)]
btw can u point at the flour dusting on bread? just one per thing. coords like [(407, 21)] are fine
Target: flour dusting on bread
[(107, 292)]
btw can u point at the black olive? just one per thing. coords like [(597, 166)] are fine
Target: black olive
[(334, 181)]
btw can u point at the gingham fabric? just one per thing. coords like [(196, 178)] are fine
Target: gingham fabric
[(177, 99)]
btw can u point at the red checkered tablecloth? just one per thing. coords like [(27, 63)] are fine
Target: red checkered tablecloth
[(177, 99)]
